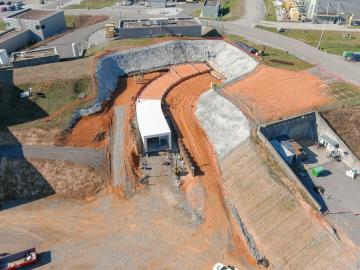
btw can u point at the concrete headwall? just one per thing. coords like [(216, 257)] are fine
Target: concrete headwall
[(17, 41), (139, 32), (220, 55), (303, 126)]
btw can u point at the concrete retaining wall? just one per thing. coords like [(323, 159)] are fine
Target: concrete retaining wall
[(303, 126), (220, 55), (311, 126)]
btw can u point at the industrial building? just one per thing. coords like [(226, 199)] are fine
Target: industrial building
[(329, 11), (13, 40), (180, 26), (35, 57), (158, 3), (41, 23), (211, 9), (333, 11), (153, 127)]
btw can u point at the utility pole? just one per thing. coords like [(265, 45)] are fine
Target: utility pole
[(323, 28), (268, 8)]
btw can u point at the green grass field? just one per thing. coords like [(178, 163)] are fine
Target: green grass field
[(2, 26), (125, 43), (276, 58), (93, 4), (270, 11), (70, 21), (332, 42), (232, 9), (48, 97)]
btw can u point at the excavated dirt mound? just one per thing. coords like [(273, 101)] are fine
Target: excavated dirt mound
[(346, 122), (272, 93), (87, 20), (87, 130), (33, 178)]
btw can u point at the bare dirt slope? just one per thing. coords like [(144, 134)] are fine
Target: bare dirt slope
[(33, 178), (290, 236), (182, 101), (273, 93), (346, 122)]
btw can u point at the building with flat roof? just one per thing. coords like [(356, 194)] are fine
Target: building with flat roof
[(42, 23), (332, 11), (13, 40), (35, 57), (210, 9), (180, 26), (153, 127)]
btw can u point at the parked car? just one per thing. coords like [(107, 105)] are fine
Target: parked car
[(3, 8), (2, 3), (220, 266), (9, 3), (11, 8)]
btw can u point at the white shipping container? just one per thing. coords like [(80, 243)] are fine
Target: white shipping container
[(4, 59)]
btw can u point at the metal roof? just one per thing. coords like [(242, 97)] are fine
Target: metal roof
[(150, 118)]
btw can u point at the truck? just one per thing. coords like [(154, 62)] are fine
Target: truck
[(351, 56), (18, 260)]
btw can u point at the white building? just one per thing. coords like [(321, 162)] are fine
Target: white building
[(332, 11), (154, 129)]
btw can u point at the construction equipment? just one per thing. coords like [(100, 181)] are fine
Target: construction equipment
[(18, 260)]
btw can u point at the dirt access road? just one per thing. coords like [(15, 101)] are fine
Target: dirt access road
[(182, 103)]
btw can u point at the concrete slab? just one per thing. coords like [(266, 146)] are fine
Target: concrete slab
[(118, 147)]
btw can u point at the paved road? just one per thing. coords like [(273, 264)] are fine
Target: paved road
[(87, 156), (308, 26)]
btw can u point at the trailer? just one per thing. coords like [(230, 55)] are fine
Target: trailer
[(18, 260), (351, 56)]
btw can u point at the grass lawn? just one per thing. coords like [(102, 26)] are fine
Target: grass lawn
[(2, 26), (48, 97), (196, 13), (345, 93), (232, 9), (270, 14), (332, 42), (121, 43), (69, 21), (276, 58), (93, 4)]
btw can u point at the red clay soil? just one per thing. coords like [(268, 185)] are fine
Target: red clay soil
[(272, 93), (85, 131), (157, 88), (182, 101)]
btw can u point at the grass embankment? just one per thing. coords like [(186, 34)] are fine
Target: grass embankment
[(232, 9), (276, 58), (270, 14), (52, 100), (123, 43), (2, 25), (93, 4), (332, 42), (345, 94), (75, 22)]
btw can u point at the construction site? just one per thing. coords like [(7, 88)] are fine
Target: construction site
[(182, 154)]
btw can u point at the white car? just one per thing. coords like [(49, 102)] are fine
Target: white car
[(220, 266)]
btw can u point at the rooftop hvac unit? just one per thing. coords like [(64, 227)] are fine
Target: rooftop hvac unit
[(158, 21), (4, 59)]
